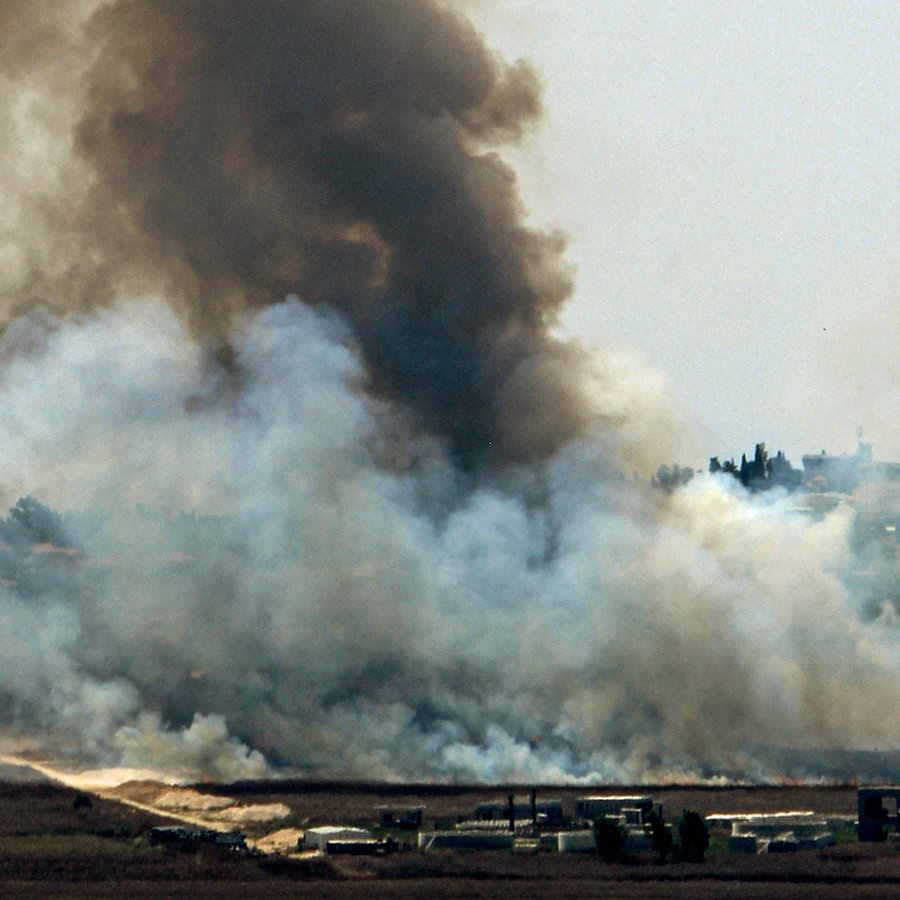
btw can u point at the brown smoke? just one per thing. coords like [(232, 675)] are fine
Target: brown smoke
[(228, 153)]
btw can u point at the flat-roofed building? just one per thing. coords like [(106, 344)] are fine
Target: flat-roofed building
[(627, 807), (878, 811)]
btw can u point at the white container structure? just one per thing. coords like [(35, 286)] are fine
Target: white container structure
[(576, 842), (318, 838), (466, 840)]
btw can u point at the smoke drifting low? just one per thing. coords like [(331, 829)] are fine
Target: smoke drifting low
[(376, 528), (346, 618)]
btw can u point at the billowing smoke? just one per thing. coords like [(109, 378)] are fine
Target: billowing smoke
[(332, 495), (228, 153)]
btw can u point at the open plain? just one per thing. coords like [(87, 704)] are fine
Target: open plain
[(59, 841)]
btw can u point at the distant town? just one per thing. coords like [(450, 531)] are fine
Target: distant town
[(821, 472)]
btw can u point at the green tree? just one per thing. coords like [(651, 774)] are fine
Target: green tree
[(671, 477), (611, 838), (39, 522), (693, 836), (660, 835)]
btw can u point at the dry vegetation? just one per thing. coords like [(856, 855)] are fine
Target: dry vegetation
[(53, 846), (350, 802)]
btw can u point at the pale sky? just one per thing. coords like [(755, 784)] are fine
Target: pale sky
[(728, 175)]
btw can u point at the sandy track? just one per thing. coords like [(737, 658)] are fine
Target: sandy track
[(151, 793)]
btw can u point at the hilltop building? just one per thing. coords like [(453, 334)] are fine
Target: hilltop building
[(845, 473), (821, 473)]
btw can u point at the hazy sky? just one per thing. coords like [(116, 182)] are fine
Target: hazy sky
[(728, 176)]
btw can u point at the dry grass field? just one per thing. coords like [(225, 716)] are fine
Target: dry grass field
[(53, 846), (350, 802)]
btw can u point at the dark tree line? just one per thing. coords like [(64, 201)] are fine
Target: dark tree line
[(687, 839), (762, 472)]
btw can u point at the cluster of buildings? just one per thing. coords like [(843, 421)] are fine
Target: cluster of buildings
[(877, 820), (519, 823), (779, 832), (512, 823), (527, 823)]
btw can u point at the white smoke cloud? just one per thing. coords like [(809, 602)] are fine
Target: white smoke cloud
[(203, 747), (259, 587)]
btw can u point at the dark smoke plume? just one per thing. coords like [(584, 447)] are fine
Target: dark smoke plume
[(237, 152)]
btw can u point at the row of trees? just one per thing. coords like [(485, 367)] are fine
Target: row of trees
[(758, 474), (690, 844), (762, 472)]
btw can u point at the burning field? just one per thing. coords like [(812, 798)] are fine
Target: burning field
[(300, 476)]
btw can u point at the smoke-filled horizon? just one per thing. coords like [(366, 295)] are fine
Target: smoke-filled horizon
[(278, 347)]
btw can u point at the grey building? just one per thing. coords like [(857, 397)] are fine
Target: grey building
[(878, 812)]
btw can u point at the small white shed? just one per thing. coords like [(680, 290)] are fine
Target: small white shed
[(318, 838)]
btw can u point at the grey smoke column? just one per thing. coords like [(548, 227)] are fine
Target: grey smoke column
[(340, 151)]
